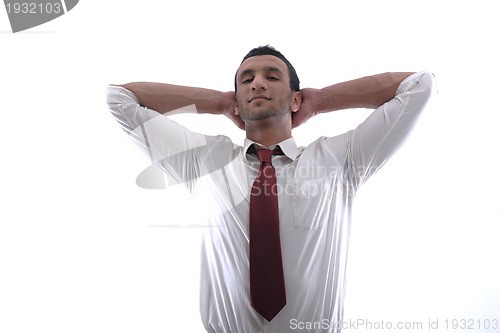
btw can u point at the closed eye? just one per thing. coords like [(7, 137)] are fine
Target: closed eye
[(249, 80)]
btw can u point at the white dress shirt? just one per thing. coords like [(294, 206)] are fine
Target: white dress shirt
[(316, 188)]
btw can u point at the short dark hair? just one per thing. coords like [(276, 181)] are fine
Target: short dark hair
[(269, 50)]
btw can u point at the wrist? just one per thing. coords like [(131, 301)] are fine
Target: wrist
[(226, 104), (324, 101)]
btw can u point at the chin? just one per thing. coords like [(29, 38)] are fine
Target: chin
[(259, 114)]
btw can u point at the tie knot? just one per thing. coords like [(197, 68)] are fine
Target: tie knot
[(264, 155)]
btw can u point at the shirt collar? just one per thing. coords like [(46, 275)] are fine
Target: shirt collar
[(288, 146)]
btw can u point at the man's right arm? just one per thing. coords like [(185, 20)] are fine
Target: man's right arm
[(165, 98), (179, 151)]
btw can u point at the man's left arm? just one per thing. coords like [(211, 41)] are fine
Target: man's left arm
[(398, 99), (367, 92)]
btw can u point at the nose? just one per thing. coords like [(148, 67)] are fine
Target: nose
[(259, 83)]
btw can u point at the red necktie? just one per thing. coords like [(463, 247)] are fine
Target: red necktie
[(267, 283)]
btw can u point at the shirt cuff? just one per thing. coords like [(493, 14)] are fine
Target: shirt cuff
[(411, 81)]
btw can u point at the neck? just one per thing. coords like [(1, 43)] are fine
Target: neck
[(267, 132)]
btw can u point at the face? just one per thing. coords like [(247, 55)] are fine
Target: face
[(264, 90)]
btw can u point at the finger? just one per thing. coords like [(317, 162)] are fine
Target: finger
[(238, 122), (241, 125), (297, 119)]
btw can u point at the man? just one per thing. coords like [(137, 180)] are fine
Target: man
[(312, 187)]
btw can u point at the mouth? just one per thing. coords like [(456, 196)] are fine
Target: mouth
[(258, 97)]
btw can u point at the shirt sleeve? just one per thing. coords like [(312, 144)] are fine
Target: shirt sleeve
[(374, 141), (175, 149)]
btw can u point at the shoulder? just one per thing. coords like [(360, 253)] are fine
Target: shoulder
[(327, 149)]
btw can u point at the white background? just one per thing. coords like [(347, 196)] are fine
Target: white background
[(83, 249)]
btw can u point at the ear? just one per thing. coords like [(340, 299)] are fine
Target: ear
[(296, 101), (236, 109)]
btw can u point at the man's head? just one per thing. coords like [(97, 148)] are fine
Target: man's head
[(269, 50), (266, 86)]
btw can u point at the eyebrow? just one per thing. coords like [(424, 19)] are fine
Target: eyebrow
[(266, 69)]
